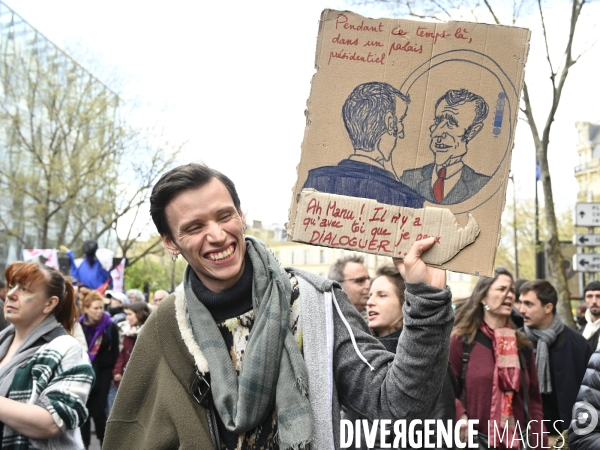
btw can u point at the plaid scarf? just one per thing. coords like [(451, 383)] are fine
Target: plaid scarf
[(273, 370), (506, 381), (545, 338)]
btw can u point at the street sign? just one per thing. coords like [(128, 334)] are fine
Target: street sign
[(586, 262), (587, 214), (587, 240)]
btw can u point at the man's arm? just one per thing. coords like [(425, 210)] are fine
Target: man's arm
[(407, 385)]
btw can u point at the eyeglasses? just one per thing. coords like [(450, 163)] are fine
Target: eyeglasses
[(360, 280)]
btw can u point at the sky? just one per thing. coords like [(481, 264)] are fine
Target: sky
[(231, 80)]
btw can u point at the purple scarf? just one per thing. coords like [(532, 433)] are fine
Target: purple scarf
[(94, 333)]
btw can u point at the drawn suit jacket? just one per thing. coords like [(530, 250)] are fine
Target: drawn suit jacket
[(469, 184), (359, 179)]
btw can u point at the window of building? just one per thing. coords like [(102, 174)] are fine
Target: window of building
[(322, 257)]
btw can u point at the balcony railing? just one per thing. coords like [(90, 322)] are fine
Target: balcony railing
[(594, 164)]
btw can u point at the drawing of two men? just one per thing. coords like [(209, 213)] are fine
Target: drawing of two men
[(373, 115)]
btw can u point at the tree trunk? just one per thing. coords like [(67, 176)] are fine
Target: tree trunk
[(554, 257)]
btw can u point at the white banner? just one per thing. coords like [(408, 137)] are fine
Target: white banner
[(48, 256), (117, 275)]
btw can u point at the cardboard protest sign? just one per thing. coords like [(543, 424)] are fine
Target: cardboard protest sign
[(416, 120)]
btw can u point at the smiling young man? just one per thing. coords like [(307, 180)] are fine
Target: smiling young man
[(246, 355), (561, 353)]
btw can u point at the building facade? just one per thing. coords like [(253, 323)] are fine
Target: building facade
[(587, 172), (60, 138)]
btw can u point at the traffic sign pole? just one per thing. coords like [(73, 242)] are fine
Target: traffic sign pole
[(586, 261)]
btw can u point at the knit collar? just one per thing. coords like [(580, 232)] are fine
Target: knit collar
[(232, 302)]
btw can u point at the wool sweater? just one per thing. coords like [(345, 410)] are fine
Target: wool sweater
[(154, 408), (58, 378)]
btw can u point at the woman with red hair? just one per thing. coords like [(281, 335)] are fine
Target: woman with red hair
[(102, 337), (45, 375)]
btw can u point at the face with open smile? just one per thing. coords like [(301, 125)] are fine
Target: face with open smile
[(208, 231), (500, 297), (448, 130)]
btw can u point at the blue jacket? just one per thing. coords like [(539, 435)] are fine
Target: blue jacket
[(91, 276)]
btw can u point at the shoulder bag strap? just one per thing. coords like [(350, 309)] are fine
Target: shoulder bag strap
[(463, 373), (524, 392)]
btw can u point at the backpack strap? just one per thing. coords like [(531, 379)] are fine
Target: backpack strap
[(50, 336)]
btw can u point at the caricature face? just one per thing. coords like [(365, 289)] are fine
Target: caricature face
[(448, 131), (208, 232), (395, 129)]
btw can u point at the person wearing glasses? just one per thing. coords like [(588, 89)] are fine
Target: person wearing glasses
[(352, 274)]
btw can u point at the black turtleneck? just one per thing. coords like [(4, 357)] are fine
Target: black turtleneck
[(232, 302)]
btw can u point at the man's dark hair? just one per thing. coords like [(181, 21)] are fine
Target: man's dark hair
[(364, 112), (177, 180), (544, 290), (592, 286), (461, 96), (336, 271), (518, 283)]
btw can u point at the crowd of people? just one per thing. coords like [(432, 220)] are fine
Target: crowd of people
[(248, 355)]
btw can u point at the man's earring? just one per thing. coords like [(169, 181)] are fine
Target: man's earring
[(174, 257), (486, 307)]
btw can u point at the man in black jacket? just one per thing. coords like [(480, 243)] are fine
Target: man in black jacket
[(561, 354)]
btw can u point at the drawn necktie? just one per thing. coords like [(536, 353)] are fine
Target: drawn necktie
[(438, 186)]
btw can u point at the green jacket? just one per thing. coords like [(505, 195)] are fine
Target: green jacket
[(159, 411)]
